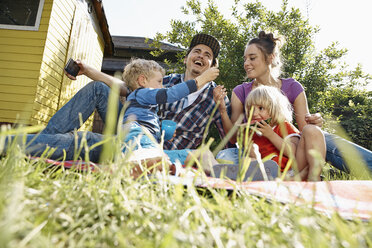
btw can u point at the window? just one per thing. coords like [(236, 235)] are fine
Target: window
[(20, 14)]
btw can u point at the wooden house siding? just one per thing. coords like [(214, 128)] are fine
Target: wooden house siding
[(21, 54), (70, 35), (32, 81), (52, 63)]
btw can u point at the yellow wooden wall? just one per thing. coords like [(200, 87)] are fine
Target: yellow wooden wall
[(71, 34), (21, 54), (32, 82)]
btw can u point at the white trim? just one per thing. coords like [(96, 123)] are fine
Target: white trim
[(31, 28)]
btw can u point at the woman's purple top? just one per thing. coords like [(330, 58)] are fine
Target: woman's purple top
[(290, 88)]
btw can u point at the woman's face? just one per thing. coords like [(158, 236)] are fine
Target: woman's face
[(255, 64)]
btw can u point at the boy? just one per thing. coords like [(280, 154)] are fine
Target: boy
[(145, 79)]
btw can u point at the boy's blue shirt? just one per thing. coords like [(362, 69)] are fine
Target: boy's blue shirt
[(144, 102)]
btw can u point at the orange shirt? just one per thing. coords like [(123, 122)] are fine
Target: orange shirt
[(266, 147)]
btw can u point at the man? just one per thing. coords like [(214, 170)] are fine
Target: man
[(192, 113)]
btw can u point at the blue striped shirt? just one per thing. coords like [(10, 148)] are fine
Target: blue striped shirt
[(143, 104)]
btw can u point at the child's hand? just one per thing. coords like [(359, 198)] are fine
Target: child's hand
[(219, 94), (265, 129), (207, 76)]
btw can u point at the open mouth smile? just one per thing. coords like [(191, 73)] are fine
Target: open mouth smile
[(198, 62)]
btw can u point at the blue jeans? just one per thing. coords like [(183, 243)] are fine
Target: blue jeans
[(136, 137), (334, 156), (59, 131)]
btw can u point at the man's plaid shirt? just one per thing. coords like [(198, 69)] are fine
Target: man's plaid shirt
[(192, 120)]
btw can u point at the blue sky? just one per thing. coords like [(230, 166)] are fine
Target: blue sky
[(345, 21)]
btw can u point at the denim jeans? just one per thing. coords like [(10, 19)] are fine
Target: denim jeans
[(59, 133), (334, 156)]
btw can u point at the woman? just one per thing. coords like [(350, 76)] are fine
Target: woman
[(262, 64)]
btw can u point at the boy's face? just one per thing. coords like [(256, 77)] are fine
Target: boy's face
[(154, 81)]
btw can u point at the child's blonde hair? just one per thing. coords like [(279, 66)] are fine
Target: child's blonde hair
[(276, 104), (138, 67)]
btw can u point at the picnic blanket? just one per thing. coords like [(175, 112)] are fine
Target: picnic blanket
[(350, 199), (69, 164)]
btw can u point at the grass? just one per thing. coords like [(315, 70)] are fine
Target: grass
[(51, 207)]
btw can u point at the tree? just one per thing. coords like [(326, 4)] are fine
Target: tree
[(318, 72)]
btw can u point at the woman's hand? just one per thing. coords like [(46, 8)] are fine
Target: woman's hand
[(315, 119), (219, 94)]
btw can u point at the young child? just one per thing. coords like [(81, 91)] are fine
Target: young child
[(268, 104), (145, 79)]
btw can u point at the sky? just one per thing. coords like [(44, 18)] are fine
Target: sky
[(345, 21)]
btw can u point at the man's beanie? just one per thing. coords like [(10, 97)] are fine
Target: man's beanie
[(207, 40)]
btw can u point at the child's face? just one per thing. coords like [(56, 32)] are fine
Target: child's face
[(155, 81), (259, 114)]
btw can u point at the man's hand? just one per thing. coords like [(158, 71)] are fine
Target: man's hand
[(219, 94), (83, 69), (315, 119)]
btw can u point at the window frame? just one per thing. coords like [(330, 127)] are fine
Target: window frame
[(30, 28)]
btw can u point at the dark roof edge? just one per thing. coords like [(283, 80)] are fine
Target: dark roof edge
[(109, 45), (146, 46)]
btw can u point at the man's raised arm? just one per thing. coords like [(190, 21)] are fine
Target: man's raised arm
[(97, 75)]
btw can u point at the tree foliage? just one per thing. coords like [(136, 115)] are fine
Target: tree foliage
[(319, 72)]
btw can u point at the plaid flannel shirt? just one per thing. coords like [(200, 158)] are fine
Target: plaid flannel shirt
[(192, 120)]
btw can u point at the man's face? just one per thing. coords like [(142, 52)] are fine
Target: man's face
[(198, 60)]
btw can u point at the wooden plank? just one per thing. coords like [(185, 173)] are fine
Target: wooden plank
[(28, 82), (21, 42), (31, 66), (56, 48), (62, 20), (21, 49), (57, 75), (15, 89), (16, 98), (44, 110), (48, 86), (21, 74), (41, 116), (37, 106), (19, 121), (14, 115), (16, 106), (59, 41), (55, 56), (45, 76), (63, 32), (18, 34), (20, 57), (66, 9), (51, 102)]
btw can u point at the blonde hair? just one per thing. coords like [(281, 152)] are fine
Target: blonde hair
[(276, 104), (138, 67)]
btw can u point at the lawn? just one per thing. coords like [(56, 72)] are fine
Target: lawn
[(43, 206)]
